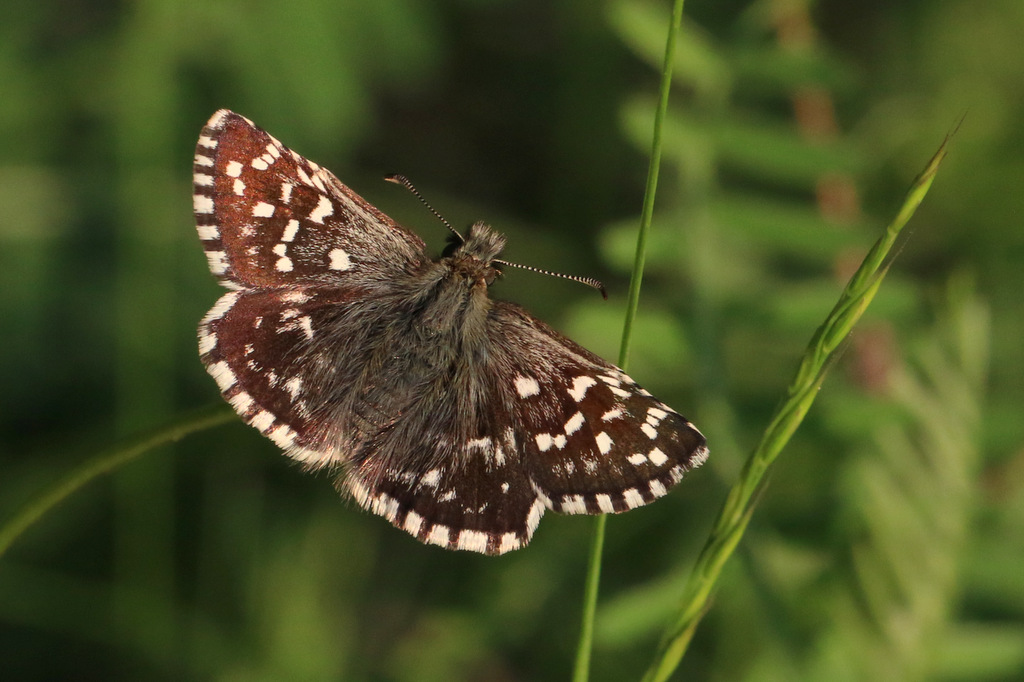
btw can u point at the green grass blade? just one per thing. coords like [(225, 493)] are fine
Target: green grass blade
[(739, 505), (581, 672), (103, 463)]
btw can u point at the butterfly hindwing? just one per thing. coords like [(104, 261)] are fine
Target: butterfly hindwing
[(255, 343), (593, 440), (526, 421)]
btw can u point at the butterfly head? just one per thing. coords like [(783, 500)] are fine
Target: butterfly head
[(476, 254)]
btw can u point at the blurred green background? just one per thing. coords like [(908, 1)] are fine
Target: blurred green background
[(890, 543)]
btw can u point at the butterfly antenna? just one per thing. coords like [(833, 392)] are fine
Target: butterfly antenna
[(589, 281), (399, 179)]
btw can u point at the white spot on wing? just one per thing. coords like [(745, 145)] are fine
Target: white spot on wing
[(323, 209), (284, 264), (233, 169), (413, 523), (239, 188), (574, 424), (208, 232), (262, 420), (386, 506), (633, 498), (439, 535), (339, 259), (286, 192), (201, 160), (655, 415), (290, 230), (297, 296), (544, 441), (651, 432), (573, 504), (318, 180), (283, 436), (473, 540), (359, 493), (263, 210), (207, 341), (241, 401), (536, 511), (580, 386), (509, 542), (294, 387), (636, 459), (604, 442), (313, 459), (221, 307), (259, 164), (657, 457), (218, 262), (202, 203), (657, 488), (202, 179), (217, 120), (604, 503), (527, 386), (431, 478)]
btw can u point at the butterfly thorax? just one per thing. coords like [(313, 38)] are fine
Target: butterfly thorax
[(455, 304)]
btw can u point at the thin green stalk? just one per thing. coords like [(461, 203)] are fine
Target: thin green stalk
[(739, 505), (105, 462), (584, 648)]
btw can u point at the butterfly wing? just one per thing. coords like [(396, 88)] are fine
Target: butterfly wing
[(294, 244), (254, 344), (268, 217), (592, 439), (527, 421)]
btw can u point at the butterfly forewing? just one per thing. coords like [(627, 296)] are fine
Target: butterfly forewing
[(269, 217), (457, 418)]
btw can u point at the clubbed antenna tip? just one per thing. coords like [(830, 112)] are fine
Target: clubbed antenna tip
[(589, 281), (399, 179)]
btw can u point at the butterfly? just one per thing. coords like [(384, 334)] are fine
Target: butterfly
[(458, 418)]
